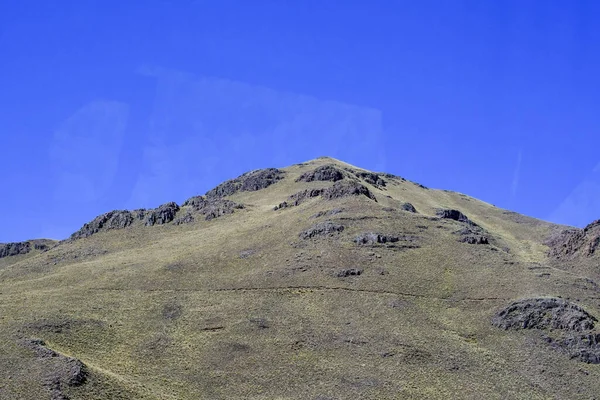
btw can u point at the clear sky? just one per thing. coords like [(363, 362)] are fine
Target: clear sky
[(127, 104)]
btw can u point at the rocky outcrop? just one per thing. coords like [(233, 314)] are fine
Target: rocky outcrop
[(59, 371), (162, 215), (187, 218), (299, 197), (454, 215), (570, 326), (372, 178), (473, 239), (211, 208), (324, 173), (325, 228), (584, 348), (14, 249), (344, 273), (117, 219), (371, 238), (408, 207), (347, 188), (572, 243), (248, 182), (544, 313)]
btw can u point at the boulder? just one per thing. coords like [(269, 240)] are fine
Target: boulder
[(454, 215), (544, 313), (408, 207)]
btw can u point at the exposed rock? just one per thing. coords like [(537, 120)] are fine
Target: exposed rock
[(281, 205), (349, 272), (575, 242), (60, 371), (474, 239), (392, 176), (371, 238), (212, 207), (544, 313), (371, 178), (408, 207), (187, 218), (584, 348), (162, 215), (14, 249), (454, 215), (299, 197), (117, 219), (248, 182), (347, 188), (327, 213), (324, 228), (323, 173)]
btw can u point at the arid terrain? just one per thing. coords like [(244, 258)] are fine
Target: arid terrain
[(317, 281)]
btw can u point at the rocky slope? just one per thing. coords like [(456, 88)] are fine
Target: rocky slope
[(316, 281)]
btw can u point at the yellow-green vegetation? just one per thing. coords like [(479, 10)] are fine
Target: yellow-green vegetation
[(240, 307)]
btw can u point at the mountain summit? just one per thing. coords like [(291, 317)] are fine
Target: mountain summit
[(321, 280)]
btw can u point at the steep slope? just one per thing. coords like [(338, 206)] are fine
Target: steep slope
[(316, 281)]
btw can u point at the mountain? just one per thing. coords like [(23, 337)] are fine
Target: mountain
[(321, 280)]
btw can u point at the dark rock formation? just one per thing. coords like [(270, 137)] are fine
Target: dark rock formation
[(248, 182), (470, 239), (212, 208), (349, 272), (117, 219), (60, 370), (371, 238), (347, 188), (281, 205), (14, 249), (325, 228), (454, 215), (370, 177), (584, 348), (544, 313), (162, 215), (575, 242), (324, 173), (299, 197), (408, 207), (187, 218)]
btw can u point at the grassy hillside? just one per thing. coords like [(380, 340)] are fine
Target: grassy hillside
[(242, 306)]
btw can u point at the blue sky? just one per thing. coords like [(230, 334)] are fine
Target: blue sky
[(111, 105)]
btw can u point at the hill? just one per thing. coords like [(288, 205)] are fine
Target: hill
[(321, 280)]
